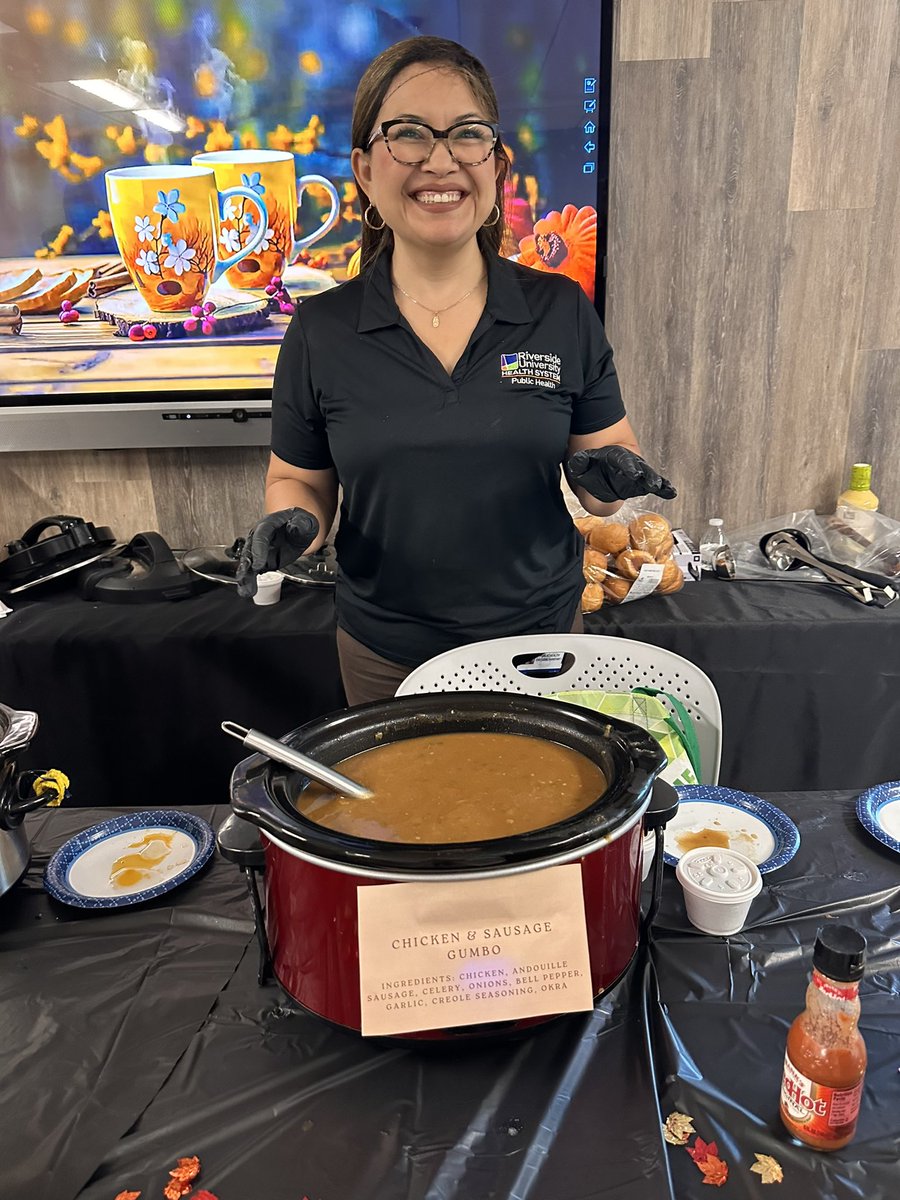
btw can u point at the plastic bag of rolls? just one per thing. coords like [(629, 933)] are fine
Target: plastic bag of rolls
[(615, 552)]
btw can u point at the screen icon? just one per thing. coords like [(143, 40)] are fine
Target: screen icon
[(589, 168), (590, 85), (590, 106), (589, 128)]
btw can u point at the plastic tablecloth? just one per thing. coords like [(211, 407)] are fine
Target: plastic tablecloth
[(133, 1037)]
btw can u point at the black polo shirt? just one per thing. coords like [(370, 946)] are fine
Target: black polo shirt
[(453, 525)]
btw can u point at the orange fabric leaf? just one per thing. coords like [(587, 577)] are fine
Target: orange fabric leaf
[(187, 1169), (128, 1196), (714, 1170), (175, 1189)]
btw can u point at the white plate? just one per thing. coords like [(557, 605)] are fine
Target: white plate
[(129, 859), (748, 824), (878, 809)]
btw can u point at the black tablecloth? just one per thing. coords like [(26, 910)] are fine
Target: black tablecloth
[(131, 698), (133, 1037)]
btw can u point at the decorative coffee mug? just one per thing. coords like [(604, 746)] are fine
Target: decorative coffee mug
[(272, 175), (170, 226)]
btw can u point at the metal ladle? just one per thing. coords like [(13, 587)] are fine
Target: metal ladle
[(786, 549), (279, 752)]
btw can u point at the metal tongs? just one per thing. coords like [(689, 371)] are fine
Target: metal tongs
[(786, 549)]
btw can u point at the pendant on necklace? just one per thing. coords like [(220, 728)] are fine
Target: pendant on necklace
[(435, 320)]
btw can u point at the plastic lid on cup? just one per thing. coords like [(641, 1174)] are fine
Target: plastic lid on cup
[(719, 873)]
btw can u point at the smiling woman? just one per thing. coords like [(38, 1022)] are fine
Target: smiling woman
[(443, 389)]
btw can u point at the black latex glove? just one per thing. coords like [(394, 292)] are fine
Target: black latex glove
[(272, 543), (614, 473)]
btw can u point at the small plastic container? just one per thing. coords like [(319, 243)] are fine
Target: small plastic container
[(268, 587), (719, 886)]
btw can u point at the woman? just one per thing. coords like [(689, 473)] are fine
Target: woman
[(442, 389)]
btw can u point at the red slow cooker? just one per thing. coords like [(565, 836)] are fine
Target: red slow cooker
[(312, 874)]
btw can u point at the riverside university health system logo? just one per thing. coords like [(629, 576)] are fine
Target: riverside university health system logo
[(534, 370)]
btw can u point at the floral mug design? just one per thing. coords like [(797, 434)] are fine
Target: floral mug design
[(168, 226), (270, 174)]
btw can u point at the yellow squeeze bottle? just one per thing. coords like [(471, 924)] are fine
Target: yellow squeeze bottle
[(859, 494)]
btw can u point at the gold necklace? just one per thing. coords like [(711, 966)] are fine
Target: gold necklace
[(436, 312)]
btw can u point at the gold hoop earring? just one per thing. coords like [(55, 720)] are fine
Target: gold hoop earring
[(491, 224), (366, 221)]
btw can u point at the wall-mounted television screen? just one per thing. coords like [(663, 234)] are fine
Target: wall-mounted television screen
[(175, 178)]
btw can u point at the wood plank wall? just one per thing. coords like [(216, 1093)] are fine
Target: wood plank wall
[(754, 279), (754, 285)]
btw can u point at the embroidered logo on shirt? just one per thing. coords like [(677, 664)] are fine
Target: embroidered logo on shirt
[(532, 370)]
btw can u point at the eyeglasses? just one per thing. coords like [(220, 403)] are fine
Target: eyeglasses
[(412, 142)]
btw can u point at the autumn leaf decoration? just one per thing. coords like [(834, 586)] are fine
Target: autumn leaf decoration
[(768, 1168), (706, 1156), (678, 1129)]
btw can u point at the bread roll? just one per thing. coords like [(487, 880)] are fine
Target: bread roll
[(672, 578), (629, 562), (592, 597), (609, 536), (615, 589), (652, 533), (594, 566)]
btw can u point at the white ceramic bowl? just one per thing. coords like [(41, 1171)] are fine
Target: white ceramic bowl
[(719, 886)]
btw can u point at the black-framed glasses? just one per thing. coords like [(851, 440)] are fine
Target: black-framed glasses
[(412, 142)]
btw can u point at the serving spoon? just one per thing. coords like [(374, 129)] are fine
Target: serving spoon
[(279, 752)]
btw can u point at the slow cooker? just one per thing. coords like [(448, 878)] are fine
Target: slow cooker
[(312, 874), (17, 798)]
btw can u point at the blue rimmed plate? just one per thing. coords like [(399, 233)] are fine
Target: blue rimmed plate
[(719, 816), (878, 809), (129, 859)]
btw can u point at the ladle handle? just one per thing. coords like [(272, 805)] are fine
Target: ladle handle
[(278, 751)]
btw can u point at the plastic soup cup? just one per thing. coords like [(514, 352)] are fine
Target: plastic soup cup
[(719, 886), (268, 587)]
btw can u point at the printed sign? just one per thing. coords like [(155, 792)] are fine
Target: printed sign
[(437, 955)]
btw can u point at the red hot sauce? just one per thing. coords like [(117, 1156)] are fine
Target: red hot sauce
[(825, 1059)]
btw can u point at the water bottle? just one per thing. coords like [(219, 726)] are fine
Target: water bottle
[(712, 543)]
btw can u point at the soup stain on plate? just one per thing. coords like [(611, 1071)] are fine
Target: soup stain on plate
[(737, 831)]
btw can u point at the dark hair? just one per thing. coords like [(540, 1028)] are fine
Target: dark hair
[(373, 87)]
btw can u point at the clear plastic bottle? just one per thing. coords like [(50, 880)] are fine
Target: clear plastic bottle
[(712, 543), (825, 1057)]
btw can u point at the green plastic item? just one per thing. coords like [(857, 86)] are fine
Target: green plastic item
[(672, 729)]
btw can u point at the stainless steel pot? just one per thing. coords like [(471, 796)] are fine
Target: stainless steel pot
[(16, 731)]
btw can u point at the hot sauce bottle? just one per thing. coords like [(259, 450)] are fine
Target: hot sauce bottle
[(825, 1059)]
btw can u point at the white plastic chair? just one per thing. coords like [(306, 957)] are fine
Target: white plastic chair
[(599, 663)]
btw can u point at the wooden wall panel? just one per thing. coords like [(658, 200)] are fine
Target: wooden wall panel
[(706, 211), (192, 497), (844, 69), (107, 487), (874, 424), (819, 311), (881, 313), (649, 29)]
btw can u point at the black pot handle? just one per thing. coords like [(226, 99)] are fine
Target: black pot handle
[(250, 799), (663, 807), (15, 800)]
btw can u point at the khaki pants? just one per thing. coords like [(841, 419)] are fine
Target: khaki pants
[(367, 676)]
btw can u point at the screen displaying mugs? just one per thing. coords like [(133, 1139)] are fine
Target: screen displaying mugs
[(176, 173)]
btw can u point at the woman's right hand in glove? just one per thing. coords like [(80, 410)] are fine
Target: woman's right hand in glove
[(272, 543)]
